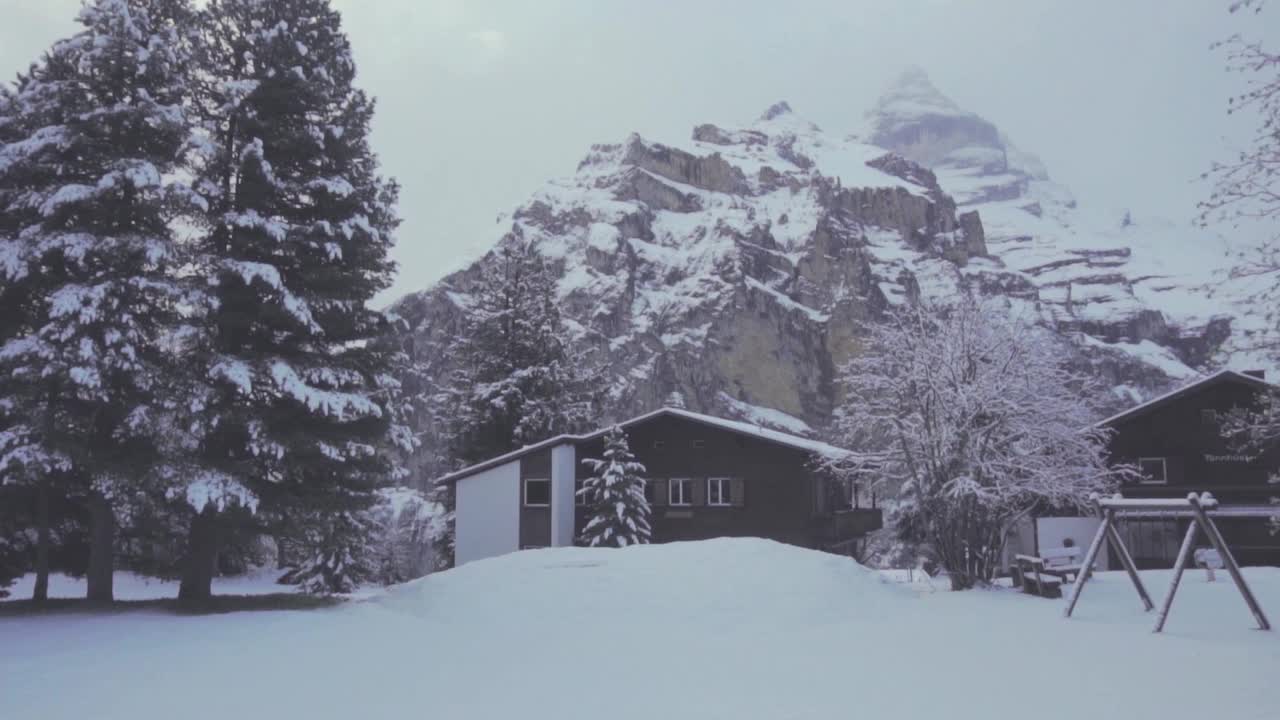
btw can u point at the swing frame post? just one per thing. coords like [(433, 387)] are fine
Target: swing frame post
[(1197, 507), (1215, 537), (1184, 553), (1090, 557)]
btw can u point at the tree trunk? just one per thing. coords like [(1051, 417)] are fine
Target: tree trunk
[(202, 558), (102, 530), (41, 592)]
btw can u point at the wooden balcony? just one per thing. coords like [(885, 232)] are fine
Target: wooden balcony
[(838, 529)]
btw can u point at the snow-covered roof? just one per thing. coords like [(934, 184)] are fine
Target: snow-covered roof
[(777, 437), (1187, 389)]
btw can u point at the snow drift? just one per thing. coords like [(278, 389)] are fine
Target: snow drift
[(732, 628)]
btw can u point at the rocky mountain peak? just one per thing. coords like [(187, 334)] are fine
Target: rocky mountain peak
[(731, 271), (775, 110), (912, 96)]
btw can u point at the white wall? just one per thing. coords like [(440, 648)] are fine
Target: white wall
[(487, 518), (1052, 531), (563, 467)]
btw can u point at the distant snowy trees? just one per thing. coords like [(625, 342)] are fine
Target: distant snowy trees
[(192, 226), (617, 511), (520, 379), (971, 421)]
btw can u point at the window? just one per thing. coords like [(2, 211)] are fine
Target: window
[(537, 492), (1153, 471), (659, 444), (650, 491), (719, 491), (680, 491), (698, 444)]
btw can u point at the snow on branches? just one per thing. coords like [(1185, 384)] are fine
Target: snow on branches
[(1246, 188), (972, 421), (521, 381), (618, 513)]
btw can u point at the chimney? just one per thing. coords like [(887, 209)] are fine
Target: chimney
[(1260, 374)]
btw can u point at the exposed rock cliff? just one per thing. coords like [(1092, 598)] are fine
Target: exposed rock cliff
[(729, 273)]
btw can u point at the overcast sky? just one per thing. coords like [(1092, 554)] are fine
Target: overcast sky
[(480, 101)]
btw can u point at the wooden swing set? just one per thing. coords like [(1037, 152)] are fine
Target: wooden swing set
[(1197, 508)]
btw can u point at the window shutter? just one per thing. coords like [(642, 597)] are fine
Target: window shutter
[(699, 491), (736, 488), (659, 491)]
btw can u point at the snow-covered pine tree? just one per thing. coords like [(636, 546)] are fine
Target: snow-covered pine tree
[(614, 494), (299, 229), (87, 184), (519, 381)]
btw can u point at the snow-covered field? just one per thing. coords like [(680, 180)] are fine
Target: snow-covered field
[(721, 629)]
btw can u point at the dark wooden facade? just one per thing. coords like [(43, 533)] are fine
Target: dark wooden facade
[(772, 491), (1178, 443)]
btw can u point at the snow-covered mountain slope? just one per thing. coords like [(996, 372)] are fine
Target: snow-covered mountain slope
[(730, 271), (1148, 287)]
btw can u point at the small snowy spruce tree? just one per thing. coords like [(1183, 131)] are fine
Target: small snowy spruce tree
[(519, 382), (87, 188), (614, 494), (297, 238), (971, 421)]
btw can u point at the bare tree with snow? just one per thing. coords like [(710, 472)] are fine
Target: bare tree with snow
[(971, 420), (1246, 194), (1246, 190)]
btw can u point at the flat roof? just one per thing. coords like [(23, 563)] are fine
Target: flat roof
[(777, 437)]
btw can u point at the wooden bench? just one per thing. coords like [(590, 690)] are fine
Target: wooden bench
[(1044, 574)]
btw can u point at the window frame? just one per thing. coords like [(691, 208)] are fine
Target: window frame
[(725, 487), (1164, 471), (686, 498), (524, 491)]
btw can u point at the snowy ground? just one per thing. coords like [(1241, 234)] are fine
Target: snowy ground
[(722, 629)]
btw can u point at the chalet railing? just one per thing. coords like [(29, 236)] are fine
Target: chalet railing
[(844, 525)]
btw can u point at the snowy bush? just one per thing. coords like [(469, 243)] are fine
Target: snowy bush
[(972, 421), (614, 495), (410, 528), (390, 541)]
